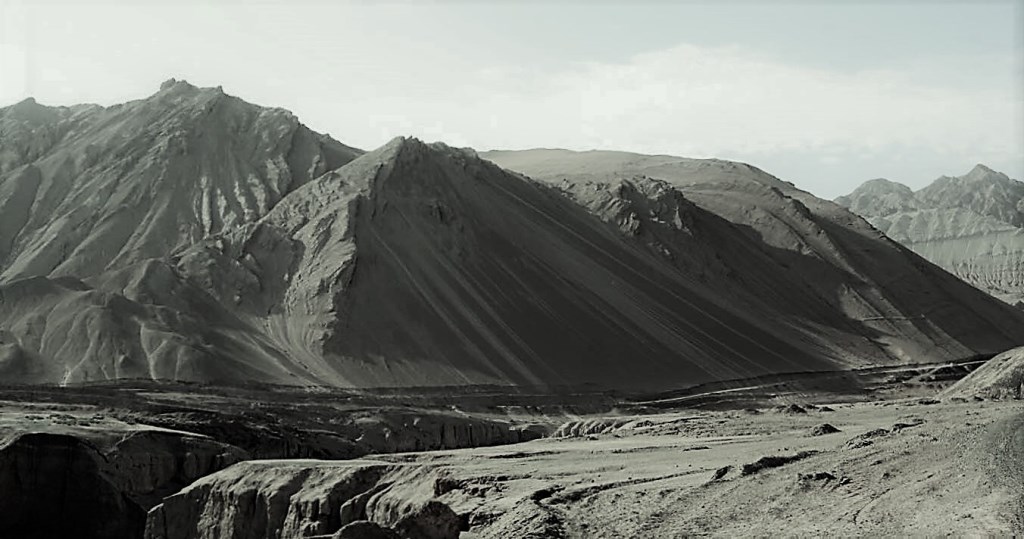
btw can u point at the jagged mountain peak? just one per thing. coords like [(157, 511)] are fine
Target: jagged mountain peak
[(113, 186), (27, 104), (971, 225), (879, 197), (411, 145), (982, 190), (183, 86), (979, 174), (982, 171), (173, 82)]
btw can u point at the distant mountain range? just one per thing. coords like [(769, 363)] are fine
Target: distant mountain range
[(193, 236), (971, 225)]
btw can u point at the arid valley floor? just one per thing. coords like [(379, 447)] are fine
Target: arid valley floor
[(905, 454)]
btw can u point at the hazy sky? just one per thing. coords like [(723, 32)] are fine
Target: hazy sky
[(824, 94)]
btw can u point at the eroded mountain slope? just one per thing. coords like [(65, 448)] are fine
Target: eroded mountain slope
[(785, 253), (425, 265), (86, 189), (144, 321), (192, 236)]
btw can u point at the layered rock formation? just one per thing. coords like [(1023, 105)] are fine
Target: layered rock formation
[(818, 273), (101, 472), (971, 225), (281, 499)]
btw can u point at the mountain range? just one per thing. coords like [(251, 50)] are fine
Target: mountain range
[(971, 225), (193, 236)]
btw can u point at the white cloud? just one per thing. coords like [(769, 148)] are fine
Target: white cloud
[(729, 100), (699, 101), (732, 103)]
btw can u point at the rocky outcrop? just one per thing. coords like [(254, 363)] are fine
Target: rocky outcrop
[(52, 486), (282, 499), (103, 471), (148, 465), (587, 427), (1000, 377), (398, 432), (970, 225), (385, 430), (56, 485)]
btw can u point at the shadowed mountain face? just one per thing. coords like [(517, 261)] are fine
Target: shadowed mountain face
[(193, 236), (817, 272), (971, 225), (425, 265)]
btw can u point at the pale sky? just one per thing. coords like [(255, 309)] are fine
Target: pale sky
[(823, 94)]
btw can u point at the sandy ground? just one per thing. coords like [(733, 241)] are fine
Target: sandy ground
[(952, 469), (912, 466)]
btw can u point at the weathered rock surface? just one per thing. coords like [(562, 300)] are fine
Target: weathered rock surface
[(1000, 377), (127, 460), (971, 225), (337, 434), (52, 486), (56, 484), (587, 427), (94, 200), (98, 188), (282, 499)]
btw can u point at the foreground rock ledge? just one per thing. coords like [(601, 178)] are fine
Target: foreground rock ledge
[(303, 498)]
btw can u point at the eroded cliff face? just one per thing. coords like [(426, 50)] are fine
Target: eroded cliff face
[(56, 484), (334, 434), (283, 499), (970, 225), (103, 471), (43, 476)]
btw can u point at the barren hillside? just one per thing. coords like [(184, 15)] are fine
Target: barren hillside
[(193, 236), (782, 253)]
